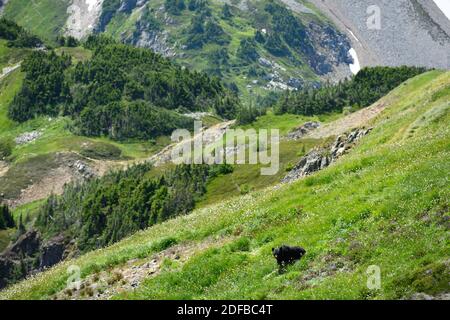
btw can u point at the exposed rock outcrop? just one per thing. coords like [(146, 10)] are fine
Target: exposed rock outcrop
[(83, 16), (424, 296), (332, 47), (27, 244), (31, 254), (319, 159), (304, 129), (28, 137), (52, 252), (152, 39), (410, 32), (2, 5), (20, 259), (82, 169), (146, 34)]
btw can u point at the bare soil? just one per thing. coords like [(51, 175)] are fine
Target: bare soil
[(354, 120), (129, 276)]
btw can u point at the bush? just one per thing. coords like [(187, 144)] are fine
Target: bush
[(6, 218), (17, 36), (6, 147), (247, 50), (101, 151), (164, 244), (247, 115), (242, 244), (369, 85), (221, 169)]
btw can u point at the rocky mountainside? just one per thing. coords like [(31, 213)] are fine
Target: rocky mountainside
[(411, 32), (255, 46), (320, 158), (2, 4), (393, 33)]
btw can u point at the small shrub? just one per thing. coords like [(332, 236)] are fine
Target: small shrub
[(289, 167), (115, 277), (101, 151), (242, 244), (221, 169), (245, 189), (430, 279), (346, 111), (6, 147), (164, 244), (89, 291), (167, 264)]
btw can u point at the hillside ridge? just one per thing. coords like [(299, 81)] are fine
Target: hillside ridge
[(335, 214)]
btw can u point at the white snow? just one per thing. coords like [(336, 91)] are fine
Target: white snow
[(353, 35), (355, 66), (92, 4), (444, 5)]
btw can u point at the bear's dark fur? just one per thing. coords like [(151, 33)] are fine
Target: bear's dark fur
[(286, 255)]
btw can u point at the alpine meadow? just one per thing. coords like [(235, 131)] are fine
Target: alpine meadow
[(246, 151)]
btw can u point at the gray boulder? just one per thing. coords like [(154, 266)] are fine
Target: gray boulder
[(319, 159)]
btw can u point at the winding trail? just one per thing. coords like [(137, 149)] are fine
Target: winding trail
[(7, 70), (210, 135), (354, 120)]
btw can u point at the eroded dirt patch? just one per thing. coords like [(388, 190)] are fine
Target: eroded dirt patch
[(210, 136), (354, 120), (128, 277), (3, 168), (38, 177)]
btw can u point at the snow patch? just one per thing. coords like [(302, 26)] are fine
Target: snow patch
[(355, 66), (444, 5), (353, 35), (92, 4)]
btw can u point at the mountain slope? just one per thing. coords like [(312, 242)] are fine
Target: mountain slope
[(384, 204), (244, 54), (256, 46), (40, 148), (412, 32)]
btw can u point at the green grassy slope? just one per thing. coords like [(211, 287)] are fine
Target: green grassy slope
[(30, 161), (10, 56), (246, 178), (384, 204), (45, 18)]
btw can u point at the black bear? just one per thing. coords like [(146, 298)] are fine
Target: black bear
[(287, 255)]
